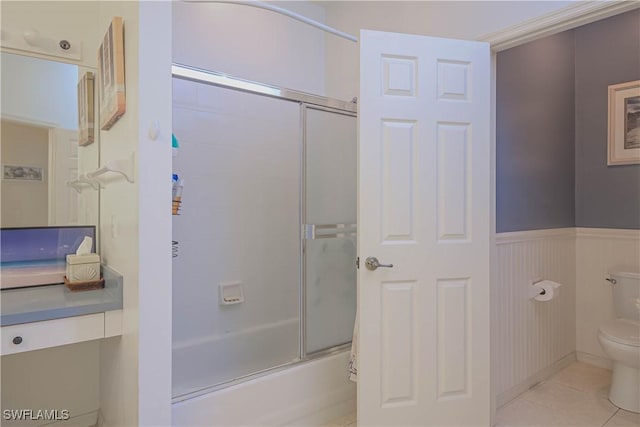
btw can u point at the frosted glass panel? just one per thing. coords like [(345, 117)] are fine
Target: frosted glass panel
[(331, 292), (240, 160), (330, 199), (331, 168)]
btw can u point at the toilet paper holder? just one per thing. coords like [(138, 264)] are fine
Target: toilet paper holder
[(538, 291)]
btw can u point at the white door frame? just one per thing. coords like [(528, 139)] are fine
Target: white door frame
[(568, 18)]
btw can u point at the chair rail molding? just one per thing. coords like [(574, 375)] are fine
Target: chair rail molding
[(527, 235), (608, 233)]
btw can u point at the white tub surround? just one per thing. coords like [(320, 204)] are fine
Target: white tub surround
[(311, 393), (193, 359)]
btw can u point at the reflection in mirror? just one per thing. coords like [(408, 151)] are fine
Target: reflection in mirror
[(39, 145)]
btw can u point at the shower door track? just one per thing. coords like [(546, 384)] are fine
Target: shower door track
[(215, 78), (306, 101), (258, 374)]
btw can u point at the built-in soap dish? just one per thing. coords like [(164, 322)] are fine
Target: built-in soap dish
[(230, 293)]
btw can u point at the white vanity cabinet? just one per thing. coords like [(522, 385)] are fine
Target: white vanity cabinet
[(56, 332), (50, 316)]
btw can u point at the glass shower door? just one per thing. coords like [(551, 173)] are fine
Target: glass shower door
[(330, 228), (236, 280)]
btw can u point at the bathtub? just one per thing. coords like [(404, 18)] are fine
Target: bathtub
[(312, 392)]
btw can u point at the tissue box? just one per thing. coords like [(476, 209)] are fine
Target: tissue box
[(83, 268)]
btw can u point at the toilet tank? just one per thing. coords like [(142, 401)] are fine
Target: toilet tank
[(626, 294)]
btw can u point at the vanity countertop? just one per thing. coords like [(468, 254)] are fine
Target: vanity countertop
[(56, 301)]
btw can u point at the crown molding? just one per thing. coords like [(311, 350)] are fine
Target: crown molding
[(575, 15)]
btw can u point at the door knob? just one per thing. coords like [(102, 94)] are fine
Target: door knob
[(372, 263)]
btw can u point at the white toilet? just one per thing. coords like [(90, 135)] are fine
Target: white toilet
[(620, 340)]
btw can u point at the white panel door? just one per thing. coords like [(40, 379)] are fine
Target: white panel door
[(423, 206)]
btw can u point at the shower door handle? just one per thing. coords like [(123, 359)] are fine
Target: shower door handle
[(372, 263)]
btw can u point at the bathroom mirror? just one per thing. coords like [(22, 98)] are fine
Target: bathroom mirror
[(40, 154)]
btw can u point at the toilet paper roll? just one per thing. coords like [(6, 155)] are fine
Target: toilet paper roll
[(544, 290)]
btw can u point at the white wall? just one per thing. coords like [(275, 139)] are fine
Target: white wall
[(598, 252), (452, 19), (119, 234), (252, 43), (154, 164), (135, 368), (263, 46)]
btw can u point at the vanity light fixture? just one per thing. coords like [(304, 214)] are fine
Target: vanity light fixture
[(31, 40)]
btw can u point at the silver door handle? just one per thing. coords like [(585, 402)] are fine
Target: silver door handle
[(372, 263)]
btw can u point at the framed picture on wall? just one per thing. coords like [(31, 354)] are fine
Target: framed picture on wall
[(22, 173), (111, 75), (624, 124), (85, 109)]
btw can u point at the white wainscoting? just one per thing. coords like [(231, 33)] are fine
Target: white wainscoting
[(599, 251), (531, 339)]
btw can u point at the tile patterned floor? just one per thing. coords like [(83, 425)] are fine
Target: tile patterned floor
[(346, 421), (575, 396)]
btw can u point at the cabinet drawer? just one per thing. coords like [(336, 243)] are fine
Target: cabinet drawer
[(51, 333)]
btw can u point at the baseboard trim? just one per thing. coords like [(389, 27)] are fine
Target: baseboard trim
[(90, 419), (332, 406), (592, 359), (507, 396)]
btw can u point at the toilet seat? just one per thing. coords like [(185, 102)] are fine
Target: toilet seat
[(622, 331)]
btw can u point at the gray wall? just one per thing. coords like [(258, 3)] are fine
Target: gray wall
[(535, 135), (551, 134), (607, 52)]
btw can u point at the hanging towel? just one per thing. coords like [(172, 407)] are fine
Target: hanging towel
[(353, 358)]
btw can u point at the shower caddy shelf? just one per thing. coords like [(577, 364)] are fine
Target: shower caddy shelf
[(176, 206)]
